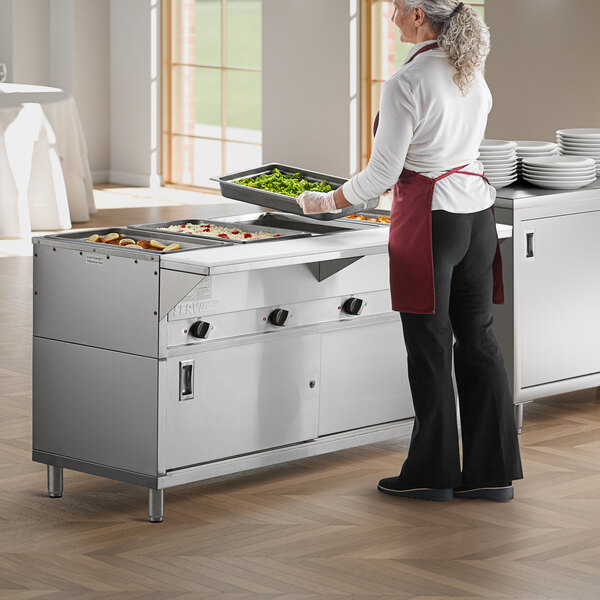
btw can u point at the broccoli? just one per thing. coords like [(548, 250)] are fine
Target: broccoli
[(280, 183)]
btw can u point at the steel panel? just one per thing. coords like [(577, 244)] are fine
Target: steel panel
[(364, 378), (96, 300), (95, 405), (246, 399)]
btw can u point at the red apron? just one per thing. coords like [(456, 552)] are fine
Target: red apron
[(410, 247)]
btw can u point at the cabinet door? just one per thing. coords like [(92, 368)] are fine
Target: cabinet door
[(244, 399), (364, 377), (559, 321)]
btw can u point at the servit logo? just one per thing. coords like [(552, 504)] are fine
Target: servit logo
[(190, 308)]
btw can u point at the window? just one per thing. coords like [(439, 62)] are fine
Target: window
[(382, 54), (211, 89)]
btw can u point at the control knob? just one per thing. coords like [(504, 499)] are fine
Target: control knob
[(279, 317), (200, 329), (354, 306)]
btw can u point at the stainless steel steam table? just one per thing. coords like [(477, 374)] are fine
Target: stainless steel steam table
[(164, 369)]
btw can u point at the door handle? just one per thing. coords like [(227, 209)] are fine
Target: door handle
[(529, 244), (186, 379)]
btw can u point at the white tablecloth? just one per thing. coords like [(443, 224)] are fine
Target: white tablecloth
[(45, 179)]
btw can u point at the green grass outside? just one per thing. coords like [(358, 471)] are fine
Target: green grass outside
[(243, 102)]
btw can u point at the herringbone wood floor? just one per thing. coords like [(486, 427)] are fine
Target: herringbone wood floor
[(314, 528)]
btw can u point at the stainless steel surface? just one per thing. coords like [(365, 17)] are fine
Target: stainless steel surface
[(156, 505), (112, 349), (367, 241), (522, 189), (373, 213), (560, 297), (55, 481), (295, 222), (322, 445), (347, 388), (80, 238), (96, 300), (281, 202), (547, 326), (519, 417), (282, 233), (247, 398), (95, 405)]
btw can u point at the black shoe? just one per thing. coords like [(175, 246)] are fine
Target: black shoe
[(393, 486), (500, 492)]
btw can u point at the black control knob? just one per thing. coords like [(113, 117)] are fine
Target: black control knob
[(279, 317), (200, 329), (354, 306)]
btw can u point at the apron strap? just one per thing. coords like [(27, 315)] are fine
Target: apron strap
[(458, 170)]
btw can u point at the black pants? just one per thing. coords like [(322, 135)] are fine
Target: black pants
[(463, 251)]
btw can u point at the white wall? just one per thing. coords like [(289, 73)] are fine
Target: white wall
[(31, 38), (24, 39), (135, 91), (6, 35), (79, 63), (306, 85), (543, 67)]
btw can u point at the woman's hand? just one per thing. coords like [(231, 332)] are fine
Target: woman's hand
[(316, 202), (319, 202)]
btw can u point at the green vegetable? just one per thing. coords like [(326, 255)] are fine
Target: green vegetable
[(281, 183)]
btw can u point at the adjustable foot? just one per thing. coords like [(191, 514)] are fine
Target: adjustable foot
[(156, 505), (55, 481), (519, 417)]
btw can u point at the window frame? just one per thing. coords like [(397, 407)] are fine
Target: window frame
[(167, 66)]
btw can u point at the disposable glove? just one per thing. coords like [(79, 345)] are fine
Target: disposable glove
[(317, 202)]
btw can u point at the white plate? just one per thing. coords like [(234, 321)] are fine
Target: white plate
[(559, 186), (574, 179), (497, 155), (584, 142), (595, 147), (503, 181), (588, 169), (580, 132), (522, 153), (534, 146), (558, 175), (497, 145), (497, 185), (568, 152), (498, 161), (559, 162), (490, 173)]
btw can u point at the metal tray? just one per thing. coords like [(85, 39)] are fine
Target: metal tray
[(80, 237), (281, 202), (375, 212), (298, 223), (283, 233)]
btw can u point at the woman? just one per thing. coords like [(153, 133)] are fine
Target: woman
[(445, 267)]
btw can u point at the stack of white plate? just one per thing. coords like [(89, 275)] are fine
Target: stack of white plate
[(499, 158), (528, 149), (580, 142), (559, 172)]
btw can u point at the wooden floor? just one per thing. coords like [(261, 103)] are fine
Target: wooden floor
[(313, 528)]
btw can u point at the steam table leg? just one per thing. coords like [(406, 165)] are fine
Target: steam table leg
[(55, 481), (156, 505), (519, 417)]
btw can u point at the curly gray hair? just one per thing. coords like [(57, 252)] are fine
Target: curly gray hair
[(462, 34)]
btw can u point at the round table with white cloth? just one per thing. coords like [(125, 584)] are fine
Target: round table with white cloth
[(45, 179)]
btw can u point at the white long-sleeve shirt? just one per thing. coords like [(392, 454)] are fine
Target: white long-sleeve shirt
[(428, 126)]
